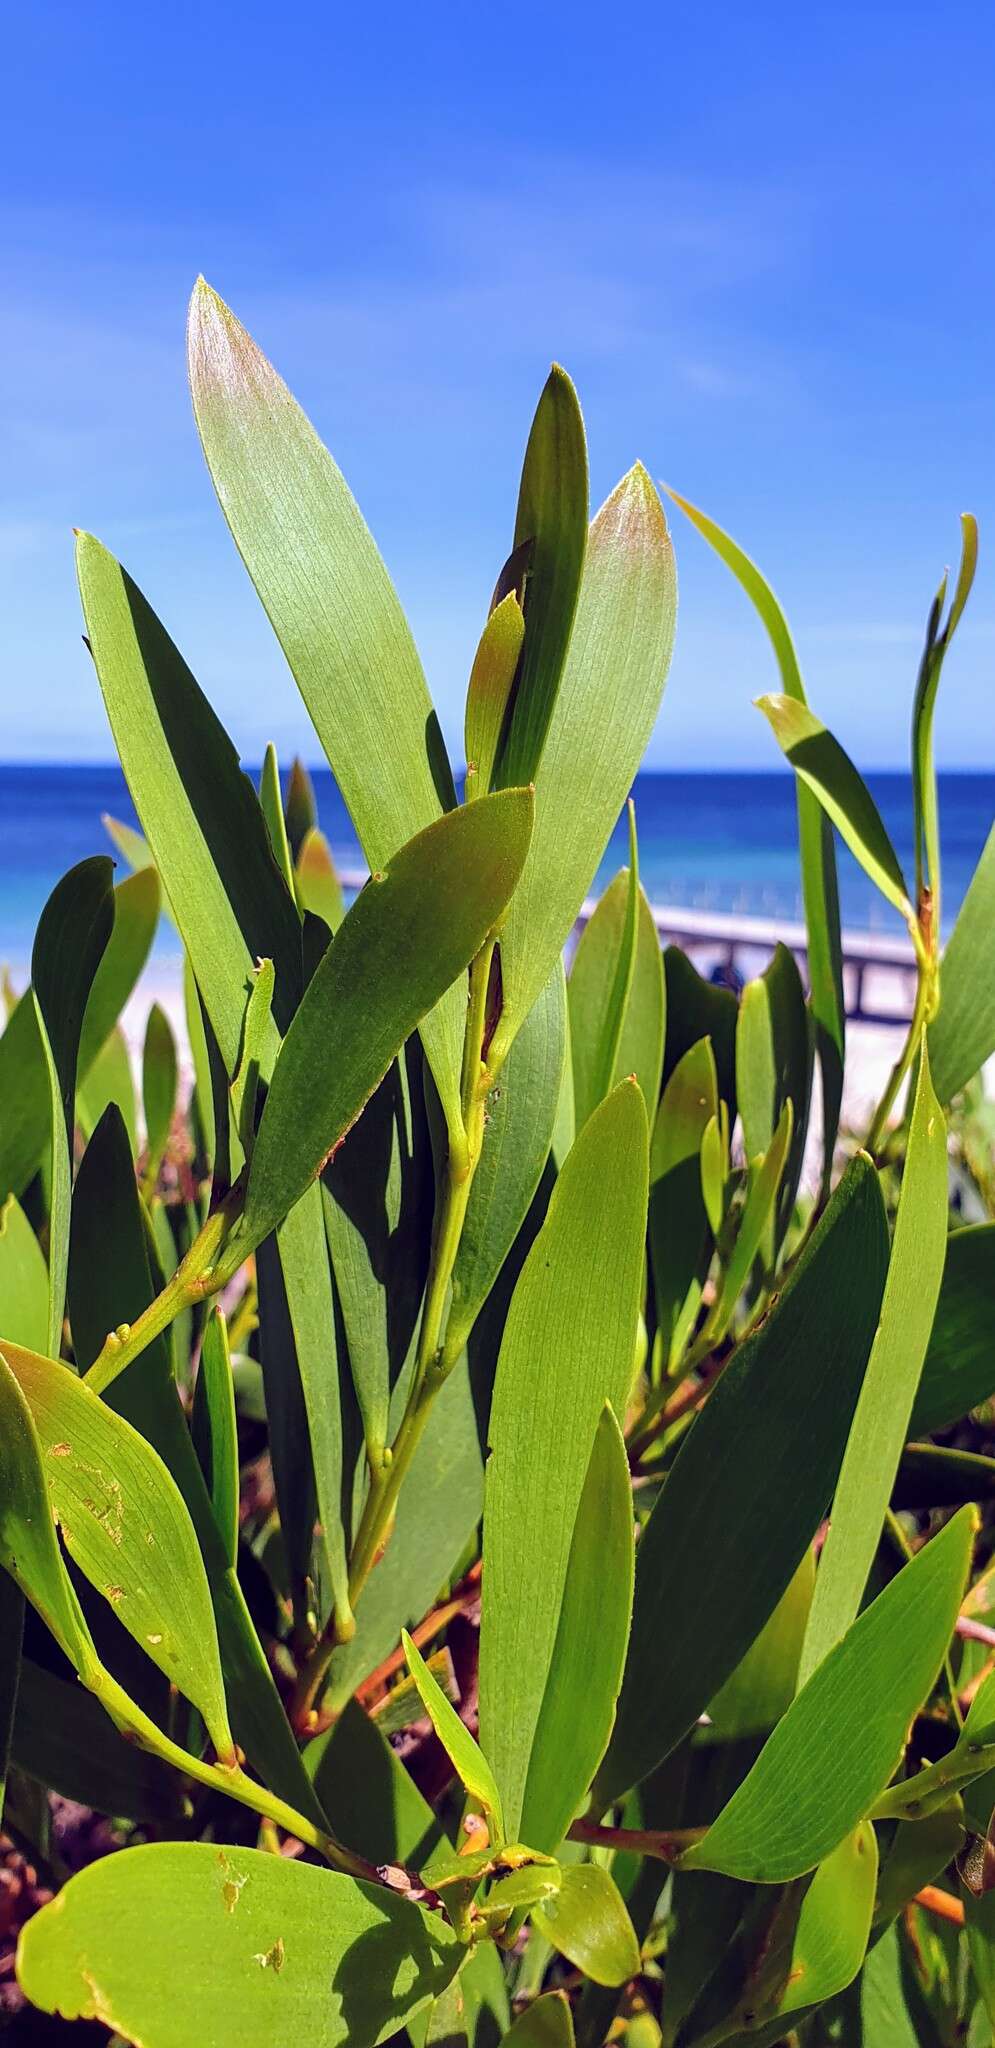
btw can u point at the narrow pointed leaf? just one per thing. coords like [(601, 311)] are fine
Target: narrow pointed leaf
[(552, 522), (300, 809), (252, 1057), (880, 1423), (815, 842), (463, 1752), (25, 1098), (261, 1937), (568, 1347), (588, 1923), (834, 1924), (924, 798), (378, 1195), (772, 1458), (214, 1430), (159, 1077), (842, 1738), (774, 1066), (199, 811), (331, 604), (605, 708), (962, 1034), (755, 1223), (679, 1229), (488, 692), (136, 914), (413, 930), (585, 1673), (271, 805), (72, 935), (824, 767), (604, 997)]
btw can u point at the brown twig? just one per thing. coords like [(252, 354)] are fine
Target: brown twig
[(668, 1844)]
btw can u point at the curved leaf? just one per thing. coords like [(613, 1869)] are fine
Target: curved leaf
[(488, 692), (23, 1280), (124, 1523), (464, 1753), (842, 1738), (263, 1938), (824, 767), (586, 1920), (410, 934)]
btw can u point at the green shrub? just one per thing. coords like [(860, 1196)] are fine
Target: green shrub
[(453, 1280)]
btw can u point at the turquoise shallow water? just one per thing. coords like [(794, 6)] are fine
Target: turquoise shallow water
[(707, 841)]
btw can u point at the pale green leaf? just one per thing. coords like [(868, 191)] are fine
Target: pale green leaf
[(567, 1348)]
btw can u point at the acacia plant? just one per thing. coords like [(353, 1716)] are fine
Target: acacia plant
[(452, 1279)]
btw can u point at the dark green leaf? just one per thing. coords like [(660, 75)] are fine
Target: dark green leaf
[(300, 809), (64, 1739), (262, 1938), (136, 914), (73, 931), (200, 813), (774, 1066), (882, 1414), (11, 1669), (551, 522), (679, 1230), (214, 1431), (959, 1370), (407, 938), (437, 1513), (842, 1738), (25, 1098), (699, 1009), (378, 1196), (372, 1803), (772, 1460), (568, 1347), (271, 805)]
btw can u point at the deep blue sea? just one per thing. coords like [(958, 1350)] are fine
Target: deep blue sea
[(707, 841)]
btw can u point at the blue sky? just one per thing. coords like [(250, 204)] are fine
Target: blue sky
[(761, 240)]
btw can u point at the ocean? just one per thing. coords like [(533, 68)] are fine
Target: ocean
[(706, 841)]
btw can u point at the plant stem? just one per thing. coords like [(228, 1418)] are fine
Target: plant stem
[(924, 1005), (668, 1844), (232, 1781), (438, 1348), (199, 1274)]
